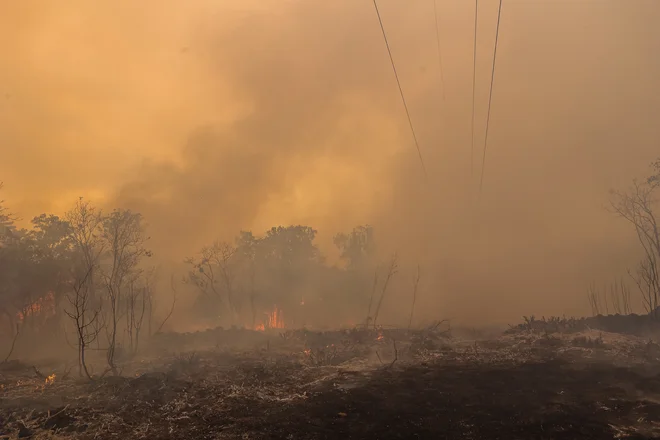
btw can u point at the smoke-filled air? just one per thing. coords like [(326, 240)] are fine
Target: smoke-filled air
[(389, 182)]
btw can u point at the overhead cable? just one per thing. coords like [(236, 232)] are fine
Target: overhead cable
[(403, 98), (474, 82), (490, 98)]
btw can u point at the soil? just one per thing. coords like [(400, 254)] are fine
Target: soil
[(359, 384)]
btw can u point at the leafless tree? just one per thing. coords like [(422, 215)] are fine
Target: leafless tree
[(594, 299), (636, 206), (84, 319), (625, 298), (620, 297), (216, 272), (123, 232), (149, 279), (414, 297), (86, 221), (392, 270), (136, 307), (647, 282)]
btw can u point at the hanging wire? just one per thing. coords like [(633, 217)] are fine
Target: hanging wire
[(437, 37), (474, 82), (490, 98), (398, 82)]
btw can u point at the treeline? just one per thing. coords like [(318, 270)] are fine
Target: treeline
[(88, 267), (88, 277), (282, 271)]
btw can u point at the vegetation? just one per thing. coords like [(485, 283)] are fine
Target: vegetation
[(86, 278), (637, 205)]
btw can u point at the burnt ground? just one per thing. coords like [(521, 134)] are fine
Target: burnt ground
[(392, 384)]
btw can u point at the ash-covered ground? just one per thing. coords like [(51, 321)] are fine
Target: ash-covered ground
[(554, 379)]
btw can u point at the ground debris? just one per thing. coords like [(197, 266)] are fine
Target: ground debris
[(586, 384)]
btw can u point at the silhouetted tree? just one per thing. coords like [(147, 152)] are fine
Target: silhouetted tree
[(357, 247), (637, 205)]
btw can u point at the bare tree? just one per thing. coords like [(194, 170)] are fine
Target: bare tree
[(86, 222), (393, 269), (594, 299), (414, 297), (625, 297), (646, 280), (149, 279), (636, 206), (84, 319), (123, 232), (620, 297), (216, 272), (136, 307)]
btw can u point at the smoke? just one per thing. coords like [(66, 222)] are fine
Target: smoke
[(211, 117)]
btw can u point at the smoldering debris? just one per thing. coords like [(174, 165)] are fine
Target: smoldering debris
[(355, 383)]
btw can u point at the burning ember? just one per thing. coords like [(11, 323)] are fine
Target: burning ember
[(380, 336), (50, 380), (274, 320)]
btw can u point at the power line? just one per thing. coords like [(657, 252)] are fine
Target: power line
[(437, 37), (474, 82), (490, 97), (396, 75)]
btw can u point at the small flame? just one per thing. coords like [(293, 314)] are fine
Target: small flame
[(380, 336), (274, 320), (50, 379), (307, 352), (44, 305)]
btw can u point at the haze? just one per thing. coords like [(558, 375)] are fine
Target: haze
[(214, 116)]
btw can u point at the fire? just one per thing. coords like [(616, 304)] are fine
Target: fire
[(274, 320), (380, 336), (44, 305), (50, 380)]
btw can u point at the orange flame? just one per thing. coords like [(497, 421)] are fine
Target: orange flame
[(274, 320), (44, 305)]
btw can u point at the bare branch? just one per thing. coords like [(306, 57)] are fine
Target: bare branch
[(393, 269), (172, 308)]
